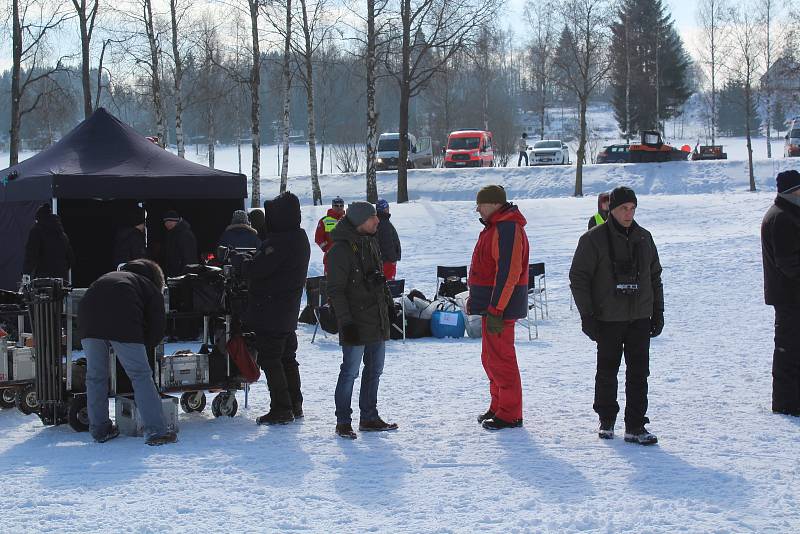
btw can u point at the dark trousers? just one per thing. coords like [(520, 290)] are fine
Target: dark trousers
[(522, 155), (615, 338), (277, 357), (786, 361)]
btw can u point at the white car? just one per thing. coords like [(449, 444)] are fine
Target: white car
[(420, 155), (548, 152)]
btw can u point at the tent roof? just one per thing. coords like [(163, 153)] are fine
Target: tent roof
[(106, 159)]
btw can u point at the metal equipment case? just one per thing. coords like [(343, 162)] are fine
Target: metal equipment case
[(183, 370), (129, 420)]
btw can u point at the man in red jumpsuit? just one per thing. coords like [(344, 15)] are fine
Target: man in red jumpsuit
[(322, 237), (498, 290)]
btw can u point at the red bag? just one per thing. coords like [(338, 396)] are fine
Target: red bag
[(240, 354)]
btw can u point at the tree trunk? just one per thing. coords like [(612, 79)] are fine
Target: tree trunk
[(155, 81), (312, 134), (372, 115), (255, 108), (768, 92), (287, 97), (627, 84), (178, 78), (405, 96), (747, 115), (85, 41), (212, 136), (581, 155), (16, 68)]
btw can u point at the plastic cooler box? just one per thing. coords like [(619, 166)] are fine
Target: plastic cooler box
[(447, 324)]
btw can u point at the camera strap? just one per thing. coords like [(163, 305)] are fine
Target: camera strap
[(634, 259)]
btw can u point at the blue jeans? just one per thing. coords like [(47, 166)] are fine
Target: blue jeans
[(373, 355), (133, 357)]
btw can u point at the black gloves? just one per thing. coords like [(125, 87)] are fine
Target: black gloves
[(494, 323), (589, 326), (656, 323), (348, 334)]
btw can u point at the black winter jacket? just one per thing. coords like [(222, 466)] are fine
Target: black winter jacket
[(129, 245), (123, 306), (276, 276), (180, 249), (780, 250), (357, 296), (239, 236), (48, 253), (388, 240)]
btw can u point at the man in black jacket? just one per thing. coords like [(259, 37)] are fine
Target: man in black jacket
[(388, 240), (124, 310), (48, 253), (276, 277), (780, 248), (239, 234), (129, 243), (180, 245), (615, 278), (361, 301)]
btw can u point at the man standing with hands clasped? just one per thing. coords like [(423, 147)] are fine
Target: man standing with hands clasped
[(498, 290), (616, 281)]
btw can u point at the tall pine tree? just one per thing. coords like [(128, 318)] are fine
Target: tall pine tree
[(649, 75)]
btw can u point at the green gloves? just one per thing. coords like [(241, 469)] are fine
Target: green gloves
[(494, 323)]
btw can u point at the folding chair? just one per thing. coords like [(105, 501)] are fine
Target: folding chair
[(316, 294), (444, 273), (396, 289), (536, 271)]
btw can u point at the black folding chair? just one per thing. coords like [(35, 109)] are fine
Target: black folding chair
[(450, 274), (316, 294), (396, 289)]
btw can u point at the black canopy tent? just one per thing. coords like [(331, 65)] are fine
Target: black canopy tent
[(95, 176)]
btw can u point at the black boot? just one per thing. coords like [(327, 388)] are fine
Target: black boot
[(495, 423), (275, 418), (606, 430), (488, 415)]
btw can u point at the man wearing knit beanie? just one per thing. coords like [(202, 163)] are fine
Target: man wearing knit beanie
[(239, 234), (326, 224), (498, 290), (360, 297), (616, 282), (388, 240), (780, 250)]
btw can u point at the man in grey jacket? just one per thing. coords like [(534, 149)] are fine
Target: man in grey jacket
[(616, 282)]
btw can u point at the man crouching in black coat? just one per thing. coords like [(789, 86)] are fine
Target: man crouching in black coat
[(276, 277)]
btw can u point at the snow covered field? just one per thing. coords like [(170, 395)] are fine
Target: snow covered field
[(725, 463)]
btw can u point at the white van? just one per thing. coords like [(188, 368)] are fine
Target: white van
[(420, 154), (791, 147)]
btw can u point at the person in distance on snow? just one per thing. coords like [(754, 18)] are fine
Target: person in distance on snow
[(180, 245), (602, 211), (129, 242), (388, 240), (239, 234), (522, 147), (276, 277), (361, 302), (322, 236), (780, 248), (48, 253), (616, 282), (124, 310), (498, 290)]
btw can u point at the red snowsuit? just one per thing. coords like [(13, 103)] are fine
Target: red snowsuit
[(498, 284), (322, 236)]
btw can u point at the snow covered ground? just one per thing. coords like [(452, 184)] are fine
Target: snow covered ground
[(725, 463)]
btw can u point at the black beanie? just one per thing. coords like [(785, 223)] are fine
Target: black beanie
[(43, 211), (788, 181), (620, 196)]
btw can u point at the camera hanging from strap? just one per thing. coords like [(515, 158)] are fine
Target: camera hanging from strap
[(626, 273)]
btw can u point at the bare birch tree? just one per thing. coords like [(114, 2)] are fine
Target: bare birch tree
[(713, 17), (86, 11), (177, 13), (583, 61), (32, 22), (541, 21)]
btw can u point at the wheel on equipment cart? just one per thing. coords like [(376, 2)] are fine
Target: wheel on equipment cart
[(193, 401), (26, 400), (7, 398), (224, 404), (78, 415)]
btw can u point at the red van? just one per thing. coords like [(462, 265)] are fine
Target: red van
[(469, 148)]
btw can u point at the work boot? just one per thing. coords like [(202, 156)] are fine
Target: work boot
[(495, 423), (488, 415), (275, 418), (162, 439), (640, 435), (112, 433), (345, 430), (297, 411), (606, 430), (376, 425)]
